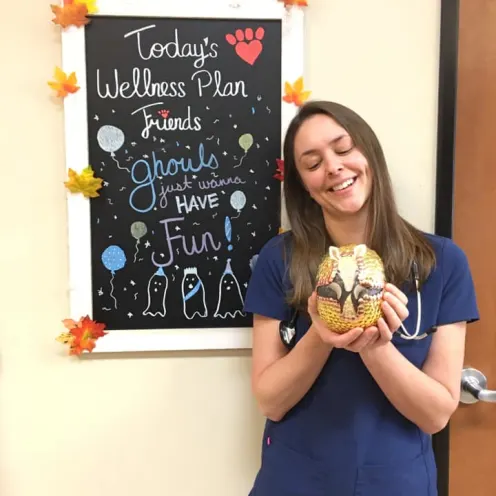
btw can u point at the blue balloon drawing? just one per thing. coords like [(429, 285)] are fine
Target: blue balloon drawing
[(113, 258), (110, 139)]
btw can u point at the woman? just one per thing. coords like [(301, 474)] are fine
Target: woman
[(353, 414)]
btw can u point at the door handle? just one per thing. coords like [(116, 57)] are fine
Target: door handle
[(473, 387)]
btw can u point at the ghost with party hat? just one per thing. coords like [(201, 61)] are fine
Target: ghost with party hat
[(230, 302), (157, 293)]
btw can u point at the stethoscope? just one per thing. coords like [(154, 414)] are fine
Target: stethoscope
[(287, 328)]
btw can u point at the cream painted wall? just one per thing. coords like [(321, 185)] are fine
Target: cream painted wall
[(181, 424)]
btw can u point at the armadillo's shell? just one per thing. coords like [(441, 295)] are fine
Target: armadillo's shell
[(352, 312)]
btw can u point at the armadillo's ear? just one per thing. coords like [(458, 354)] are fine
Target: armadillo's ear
[(334, 253), (360, 250)]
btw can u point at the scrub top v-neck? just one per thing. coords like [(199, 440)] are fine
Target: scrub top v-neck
[(344, 437)]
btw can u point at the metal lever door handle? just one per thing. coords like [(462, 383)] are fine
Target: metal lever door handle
[(473, 387)]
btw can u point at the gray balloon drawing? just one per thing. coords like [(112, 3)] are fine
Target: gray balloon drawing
[(138, 229), (238, 200), (110, 138)]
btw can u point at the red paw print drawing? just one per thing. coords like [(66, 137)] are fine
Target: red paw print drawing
[(163, 113), (247, 48)]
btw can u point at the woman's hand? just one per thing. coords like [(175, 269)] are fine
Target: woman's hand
[(358, 340), (353, 340), (394, 308)]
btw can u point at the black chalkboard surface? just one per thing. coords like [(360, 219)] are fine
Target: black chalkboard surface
[(184, 127)]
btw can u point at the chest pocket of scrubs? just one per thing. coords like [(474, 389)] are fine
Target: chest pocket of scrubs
[(286, 472), (415, 350)]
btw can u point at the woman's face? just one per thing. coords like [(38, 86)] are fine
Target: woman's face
[(333, 171)]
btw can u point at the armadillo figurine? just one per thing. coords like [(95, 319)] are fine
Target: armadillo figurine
[(350, 286)]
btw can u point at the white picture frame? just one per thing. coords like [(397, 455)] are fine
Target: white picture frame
[(76, 158)]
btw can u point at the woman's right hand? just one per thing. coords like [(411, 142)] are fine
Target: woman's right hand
[(353, 340)]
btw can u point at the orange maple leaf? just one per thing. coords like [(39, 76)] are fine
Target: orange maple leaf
[(70, 14), (298, 3), (82, 334), (63, 83), (84, 183), (294, 93)]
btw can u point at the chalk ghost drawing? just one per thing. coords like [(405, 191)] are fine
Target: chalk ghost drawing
[(157, 292), (230, 301), (193, 293)]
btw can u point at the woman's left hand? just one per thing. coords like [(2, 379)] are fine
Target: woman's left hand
[(394, 308)]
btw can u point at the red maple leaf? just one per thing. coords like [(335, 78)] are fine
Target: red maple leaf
[(279, 175)]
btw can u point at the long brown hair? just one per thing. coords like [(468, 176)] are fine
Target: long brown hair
[(396, 241)]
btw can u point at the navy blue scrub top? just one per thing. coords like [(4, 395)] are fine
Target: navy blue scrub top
[(344, 437)]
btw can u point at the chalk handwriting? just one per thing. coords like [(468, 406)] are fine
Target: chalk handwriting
[(144, 175), (174, 49), (195, 246), (204, 79), (152, 121), (196, 202), (141, 86), (220, 183), (172, 188)]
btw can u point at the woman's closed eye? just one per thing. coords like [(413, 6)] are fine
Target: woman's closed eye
[(314, 165), (344, 152)]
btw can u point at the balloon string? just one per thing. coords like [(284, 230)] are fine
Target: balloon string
[(241, 161), (137, 243), (239, 213), (118, 165), (112, 291)]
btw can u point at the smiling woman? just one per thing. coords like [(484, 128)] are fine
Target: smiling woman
[(337, 178), (351, 411)]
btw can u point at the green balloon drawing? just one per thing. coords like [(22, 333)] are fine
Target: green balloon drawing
[(245, 142)]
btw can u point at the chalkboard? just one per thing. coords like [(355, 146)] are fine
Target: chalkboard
[(184, 128)]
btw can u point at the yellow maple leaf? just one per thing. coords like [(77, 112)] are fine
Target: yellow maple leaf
[(64, 84), (90, 5), (84, 183), (293, 93)]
